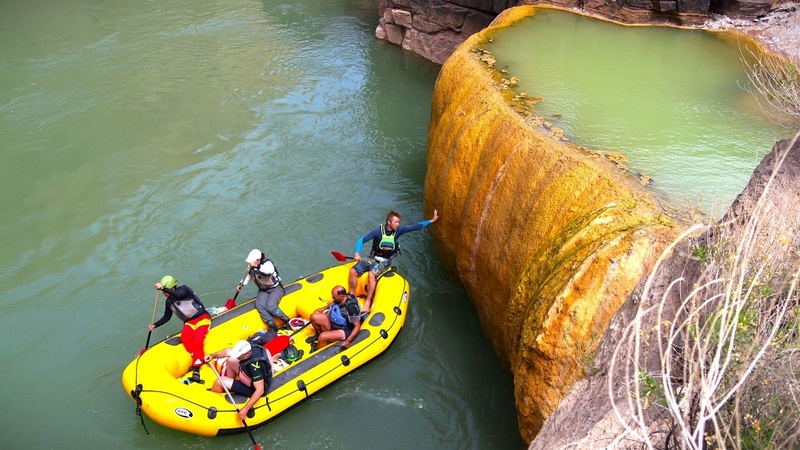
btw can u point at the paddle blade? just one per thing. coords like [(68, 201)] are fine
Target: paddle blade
[(339, 256), (278, 344), (141, 352), (231, 303)]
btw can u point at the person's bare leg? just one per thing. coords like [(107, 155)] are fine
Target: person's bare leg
[(231, 368), (353, 280), (371, 283), (217, 387), (320, 322), (314, 325), (326, 337)]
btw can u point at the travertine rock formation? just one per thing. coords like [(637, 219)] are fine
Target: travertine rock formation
[(547, 239)]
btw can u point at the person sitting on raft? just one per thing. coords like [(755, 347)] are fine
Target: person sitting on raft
[(248, 372), (338, 321)]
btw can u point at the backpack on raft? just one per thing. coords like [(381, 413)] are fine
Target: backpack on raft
[(349, 312)]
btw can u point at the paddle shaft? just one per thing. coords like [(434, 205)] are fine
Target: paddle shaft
[(241, 283), (235, 406), (231, 303), (149, 332)]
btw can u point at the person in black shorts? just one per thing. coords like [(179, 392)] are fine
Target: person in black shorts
[(248, 372)]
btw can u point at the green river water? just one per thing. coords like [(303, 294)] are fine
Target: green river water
[(144, 138)]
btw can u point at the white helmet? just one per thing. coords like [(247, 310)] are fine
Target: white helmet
[(253, 255), (239, 349)]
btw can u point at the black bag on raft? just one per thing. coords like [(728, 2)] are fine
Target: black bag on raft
[(262, 337)]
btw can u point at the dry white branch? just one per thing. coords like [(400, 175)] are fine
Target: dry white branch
[(727, 351)]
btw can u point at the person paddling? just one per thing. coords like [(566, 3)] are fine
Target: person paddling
[(248, 372), (182, 301)]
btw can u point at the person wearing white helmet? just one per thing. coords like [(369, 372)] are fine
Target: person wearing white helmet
[(248, 372), (270, 289), (183, 302)]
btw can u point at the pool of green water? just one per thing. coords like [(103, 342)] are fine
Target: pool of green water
[(673, 101)]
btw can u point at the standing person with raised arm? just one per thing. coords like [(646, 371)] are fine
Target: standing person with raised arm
[(270, 289), (385, 245)]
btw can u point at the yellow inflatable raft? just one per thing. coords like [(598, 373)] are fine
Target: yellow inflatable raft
[(155, 379)]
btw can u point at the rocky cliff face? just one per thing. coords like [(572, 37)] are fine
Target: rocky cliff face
[(676, 12), (434, 28), (596, 413), (547, 238)]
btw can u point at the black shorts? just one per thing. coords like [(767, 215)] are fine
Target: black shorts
[(243, 389)]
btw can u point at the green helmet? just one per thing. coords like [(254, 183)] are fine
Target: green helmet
[(169, 282), (291, 354)]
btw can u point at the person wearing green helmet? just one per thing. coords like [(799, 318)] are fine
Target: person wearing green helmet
[(183, 302)]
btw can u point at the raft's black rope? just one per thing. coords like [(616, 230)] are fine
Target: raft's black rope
[(141, 418), (137, 398)]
